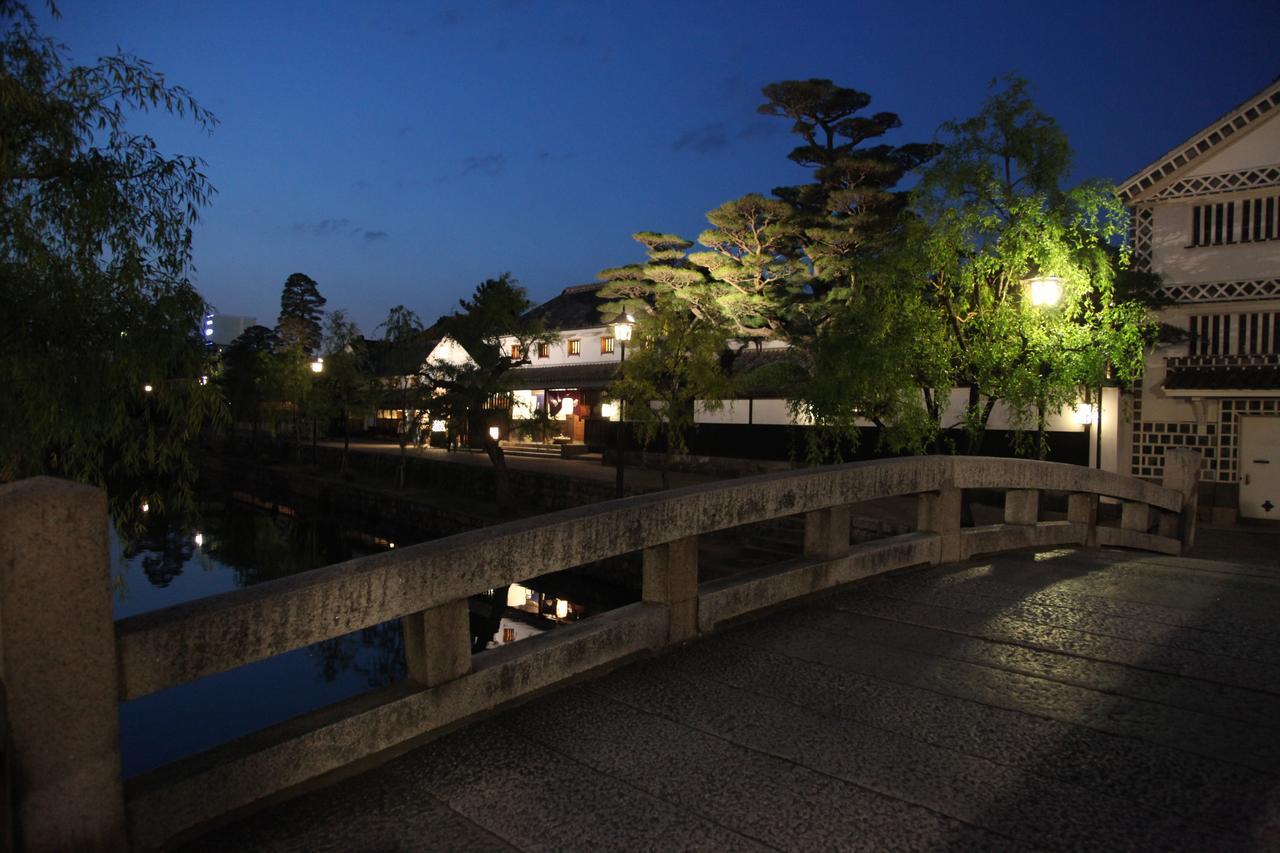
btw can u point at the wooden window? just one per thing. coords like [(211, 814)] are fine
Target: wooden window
[(516, 352), (1249, 220), (544, 350), (573, 347), (606, 344)]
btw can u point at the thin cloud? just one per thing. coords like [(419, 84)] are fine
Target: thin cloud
[(338, 228), (484, 164), (324, 228), (708, 139)]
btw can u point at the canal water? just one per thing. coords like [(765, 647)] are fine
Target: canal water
[(242, 540)]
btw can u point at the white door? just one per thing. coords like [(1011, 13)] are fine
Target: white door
[(1260, 467)]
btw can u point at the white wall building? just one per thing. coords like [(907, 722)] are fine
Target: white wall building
[(1206, 218)]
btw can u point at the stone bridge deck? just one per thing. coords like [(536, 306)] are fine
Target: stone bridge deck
[(1062, 700)]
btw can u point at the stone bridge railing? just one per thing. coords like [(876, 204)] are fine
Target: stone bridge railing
[(66, 665)]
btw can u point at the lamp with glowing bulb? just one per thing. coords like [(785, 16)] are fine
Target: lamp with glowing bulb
[(1043, 291)]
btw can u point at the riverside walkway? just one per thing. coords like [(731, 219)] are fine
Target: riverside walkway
[(1061, 699)]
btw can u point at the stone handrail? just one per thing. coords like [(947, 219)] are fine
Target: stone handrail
[(427, 586)]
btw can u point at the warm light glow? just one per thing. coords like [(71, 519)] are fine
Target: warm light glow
[(493, 433), (1045, 290), (147, 388), (146, 507), (317, 366), (517, 595), (622, 325), (199, 540), (566, 407), (391, 544), (608, 410), (1086, 413), (562, 609), (439, 426)]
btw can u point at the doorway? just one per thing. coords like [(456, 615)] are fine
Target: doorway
[(1259, 467)]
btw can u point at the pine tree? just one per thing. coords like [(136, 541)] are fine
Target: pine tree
[(301, 313)]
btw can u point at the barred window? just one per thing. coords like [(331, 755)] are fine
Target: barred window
[(1249, 220), (1255, 333), (606, 345), (573, 347)]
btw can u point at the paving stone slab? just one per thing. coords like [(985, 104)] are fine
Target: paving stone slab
[(1068, 632), (1033, 809), (1148, 774), (1127, 676), (1145, 622), (765, 796), (800, 635)]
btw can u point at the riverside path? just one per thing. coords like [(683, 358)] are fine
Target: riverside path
[(1062, 699)]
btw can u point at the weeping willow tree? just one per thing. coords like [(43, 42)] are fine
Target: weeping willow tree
[(996, 220), (101, 355)]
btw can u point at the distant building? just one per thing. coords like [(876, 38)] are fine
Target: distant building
[(1206, 218), (222, 329)]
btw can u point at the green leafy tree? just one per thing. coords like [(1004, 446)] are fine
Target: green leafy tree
[(407, 386), (245, 366), (673, 362), (95, 247), (497, 311), (301, 314), (345, 383), (813, 266), (994, 213)]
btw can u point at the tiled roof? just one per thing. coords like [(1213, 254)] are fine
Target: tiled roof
[(575, 308), (590, 375), (1263, 377)]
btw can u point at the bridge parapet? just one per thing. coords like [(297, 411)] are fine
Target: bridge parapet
[(427, 586)]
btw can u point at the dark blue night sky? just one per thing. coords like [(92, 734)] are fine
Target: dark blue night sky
[(401, 153)]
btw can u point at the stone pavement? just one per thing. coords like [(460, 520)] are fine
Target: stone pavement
[(1063, 700)]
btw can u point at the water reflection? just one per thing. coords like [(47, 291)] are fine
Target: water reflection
[(244, 542)]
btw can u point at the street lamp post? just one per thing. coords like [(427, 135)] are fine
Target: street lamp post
[(622, 325), (317, 367)]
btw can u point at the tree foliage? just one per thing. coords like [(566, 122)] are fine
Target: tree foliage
[(301, 313), (497, 312), (95, 247), (406, 385), (345, 383), (995, 213), (674, 361), (814, 266)]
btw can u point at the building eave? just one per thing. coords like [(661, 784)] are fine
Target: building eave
[(1179, 159)]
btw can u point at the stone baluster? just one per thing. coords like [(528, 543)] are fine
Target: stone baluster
[(671, 579), (939, 512), (1182, 474), (1082, 508), (437, 643), (59, 666), (1021, 506)]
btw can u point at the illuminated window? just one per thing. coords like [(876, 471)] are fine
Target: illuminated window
[(574, 347), (606, 345), (544, 350), (516, 352)]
